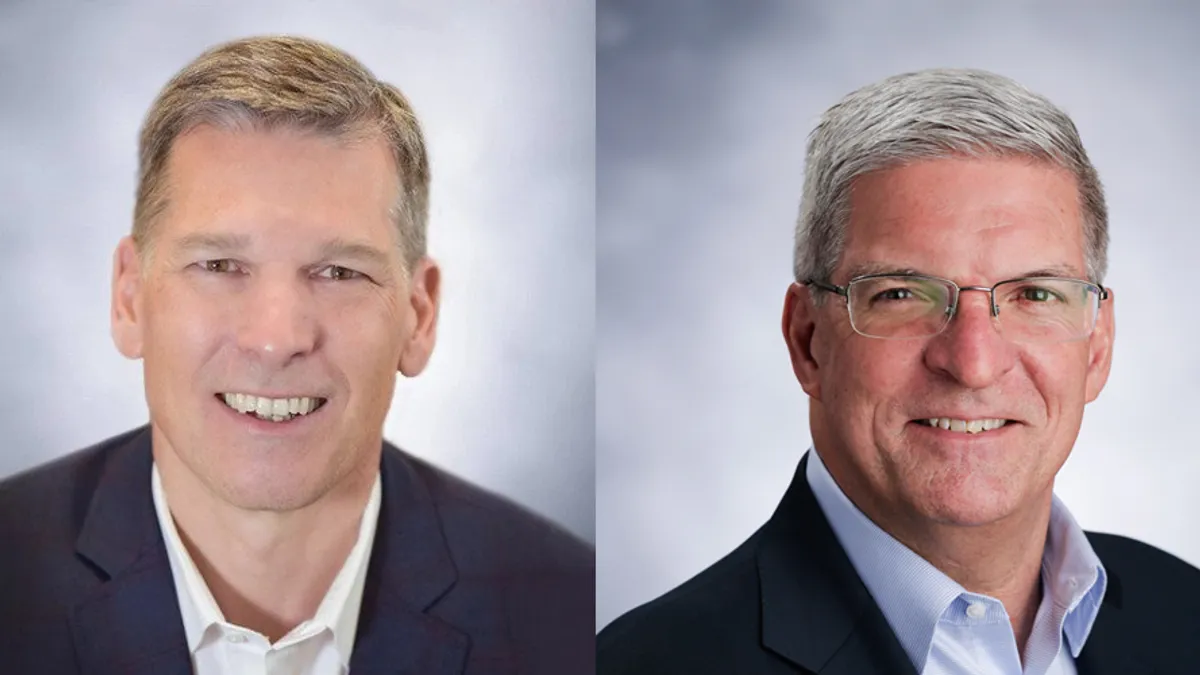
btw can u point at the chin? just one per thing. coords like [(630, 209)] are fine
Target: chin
[(970, 508), (258, 482), (270, 495)]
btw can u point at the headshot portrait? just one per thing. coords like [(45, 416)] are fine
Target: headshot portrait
[(885, 340), (265, 236)]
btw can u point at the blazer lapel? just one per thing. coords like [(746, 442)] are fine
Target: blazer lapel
[(410, 570), (1107, 650), (131, 623), (816, 611)]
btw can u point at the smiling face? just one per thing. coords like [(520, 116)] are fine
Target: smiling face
[(977, 222), (274, 273)]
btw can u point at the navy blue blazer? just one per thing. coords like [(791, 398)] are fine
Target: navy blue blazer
[(789, 602), (460, 581)]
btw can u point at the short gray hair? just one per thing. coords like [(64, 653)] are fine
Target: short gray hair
[(268, 82), (925, 115)]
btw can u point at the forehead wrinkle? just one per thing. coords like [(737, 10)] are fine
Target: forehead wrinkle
[(873, 267), (885, 256)]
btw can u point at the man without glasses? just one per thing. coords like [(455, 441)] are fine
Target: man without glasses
[(948, 324), (275, 282)]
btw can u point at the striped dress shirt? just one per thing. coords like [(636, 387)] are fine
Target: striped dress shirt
[(947, 630)]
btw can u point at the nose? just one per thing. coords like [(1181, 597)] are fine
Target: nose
[(276, 321), (971, 350)]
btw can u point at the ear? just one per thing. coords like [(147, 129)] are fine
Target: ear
[(126, 314), (424, 297), (799, 325), (1100, 346)]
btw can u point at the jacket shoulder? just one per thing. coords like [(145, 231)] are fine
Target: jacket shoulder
[(484, 528), (42, 511), (692, 628), (47, 504), (525, 588), (1150, 607), (1146, 573)]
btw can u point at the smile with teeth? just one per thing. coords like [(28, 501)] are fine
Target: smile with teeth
[(964, 426), (272, 409)]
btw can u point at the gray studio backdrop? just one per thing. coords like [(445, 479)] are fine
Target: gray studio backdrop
[(702, 114), (506, 95)]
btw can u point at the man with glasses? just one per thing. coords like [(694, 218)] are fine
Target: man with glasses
[(949, 323)]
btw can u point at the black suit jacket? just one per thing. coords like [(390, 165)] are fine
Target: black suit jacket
[(789, 601), (459, 581)]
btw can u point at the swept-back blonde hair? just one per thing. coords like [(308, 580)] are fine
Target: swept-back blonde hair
[(283, 81)]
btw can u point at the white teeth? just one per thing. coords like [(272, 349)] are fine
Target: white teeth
[(965, 426), (274, 409)]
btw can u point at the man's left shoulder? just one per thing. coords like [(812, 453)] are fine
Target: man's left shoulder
[(1150, 615), (525, 588), (485, 530), (1146, 573)]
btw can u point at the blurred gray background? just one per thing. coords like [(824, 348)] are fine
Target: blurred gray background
[(505, 92), (703, 108)]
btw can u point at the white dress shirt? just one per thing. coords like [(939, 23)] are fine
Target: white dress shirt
[(319, 646), (947, 630)]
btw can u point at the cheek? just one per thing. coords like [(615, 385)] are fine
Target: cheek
[(180, 324), (1060, 380), (865, 376), (366, 343)]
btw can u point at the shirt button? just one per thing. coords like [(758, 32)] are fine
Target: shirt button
[(976, 610), (237, 638)]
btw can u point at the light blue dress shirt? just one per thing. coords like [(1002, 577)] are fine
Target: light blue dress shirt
[(947, 630)]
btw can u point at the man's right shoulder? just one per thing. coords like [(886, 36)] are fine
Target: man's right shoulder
[(712, 617), (42, 509)]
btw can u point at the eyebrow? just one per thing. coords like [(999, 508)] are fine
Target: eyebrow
[(333, 249), (342, 249), (212, 242), (871, 268)]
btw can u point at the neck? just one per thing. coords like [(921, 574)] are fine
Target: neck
[(267, 570), (1000, 560)]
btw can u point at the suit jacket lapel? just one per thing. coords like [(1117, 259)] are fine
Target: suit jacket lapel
[(816, 611), (410, 570), (818, 614), (1107, 650), (130, 623)]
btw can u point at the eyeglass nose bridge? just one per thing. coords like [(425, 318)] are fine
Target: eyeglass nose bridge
[(991, 291)]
